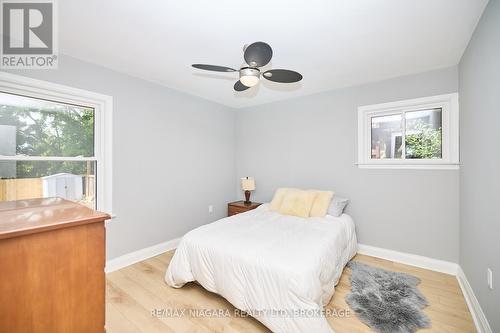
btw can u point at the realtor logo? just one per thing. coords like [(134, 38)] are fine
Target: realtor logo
[(28, 34)]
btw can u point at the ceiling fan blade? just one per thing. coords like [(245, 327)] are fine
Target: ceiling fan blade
[(258, 54), (282, 75), (214, 68), (238, 86)]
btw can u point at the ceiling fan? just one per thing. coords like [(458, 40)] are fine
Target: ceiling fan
[(256, 55)]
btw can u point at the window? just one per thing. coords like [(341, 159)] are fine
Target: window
[(417, 134), (54, 142)]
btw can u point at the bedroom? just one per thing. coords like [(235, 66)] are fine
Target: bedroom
[(388, 104)]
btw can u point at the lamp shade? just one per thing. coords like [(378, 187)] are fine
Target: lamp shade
[(248, 184)]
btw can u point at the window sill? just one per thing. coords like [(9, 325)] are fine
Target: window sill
[(441, 166)]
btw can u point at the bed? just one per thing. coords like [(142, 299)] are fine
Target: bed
[(280, 269)]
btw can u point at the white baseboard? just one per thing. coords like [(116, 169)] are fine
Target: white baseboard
[(475, 309), (401, 257), (140, 255), (410, 259)]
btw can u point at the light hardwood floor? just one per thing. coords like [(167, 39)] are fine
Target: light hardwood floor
[(132, 294)]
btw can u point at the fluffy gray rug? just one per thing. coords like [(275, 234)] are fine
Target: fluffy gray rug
[(388, 302)]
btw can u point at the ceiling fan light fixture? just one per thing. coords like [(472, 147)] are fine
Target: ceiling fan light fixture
[(249, 77), (249, 81)]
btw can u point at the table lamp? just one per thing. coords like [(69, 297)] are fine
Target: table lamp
[(247, 184)]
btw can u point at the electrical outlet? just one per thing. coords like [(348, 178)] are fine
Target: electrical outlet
[(490, 278), (211, 209)]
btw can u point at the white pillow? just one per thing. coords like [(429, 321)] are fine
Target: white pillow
[(337, 206)]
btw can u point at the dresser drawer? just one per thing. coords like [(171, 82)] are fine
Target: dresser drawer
[(52, 267)]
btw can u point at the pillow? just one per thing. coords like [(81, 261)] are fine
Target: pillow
[(321, 203), (337, 206), (297, 203), (278, 199)]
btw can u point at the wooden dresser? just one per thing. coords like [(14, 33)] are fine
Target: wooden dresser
[(52, 257), (237, 207)]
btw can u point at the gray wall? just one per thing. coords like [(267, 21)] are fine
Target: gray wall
[(173, 155), (311, 142), (480, 155)]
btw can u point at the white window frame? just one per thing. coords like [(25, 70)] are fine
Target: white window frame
[(450, 133), (103, 131)]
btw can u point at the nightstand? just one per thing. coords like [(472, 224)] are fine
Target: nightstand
[(237, 207)]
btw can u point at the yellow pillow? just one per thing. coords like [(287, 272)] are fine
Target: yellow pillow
[(278, 199), (297, 203), (321, 203)]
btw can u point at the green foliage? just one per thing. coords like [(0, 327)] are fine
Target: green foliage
[(61, 131), (426, 143)]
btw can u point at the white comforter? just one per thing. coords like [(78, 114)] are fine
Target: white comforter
[(280, 269)]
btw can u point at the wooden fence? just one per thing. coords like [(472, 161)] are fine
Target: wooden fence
[(22, 188), (30, 188)]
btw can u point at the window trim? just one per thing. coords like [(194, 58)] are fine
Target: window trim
[(450, 133), (103, 121)]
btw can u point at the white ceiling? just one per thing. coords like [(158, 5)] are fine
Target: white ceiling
[(333, 43)]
